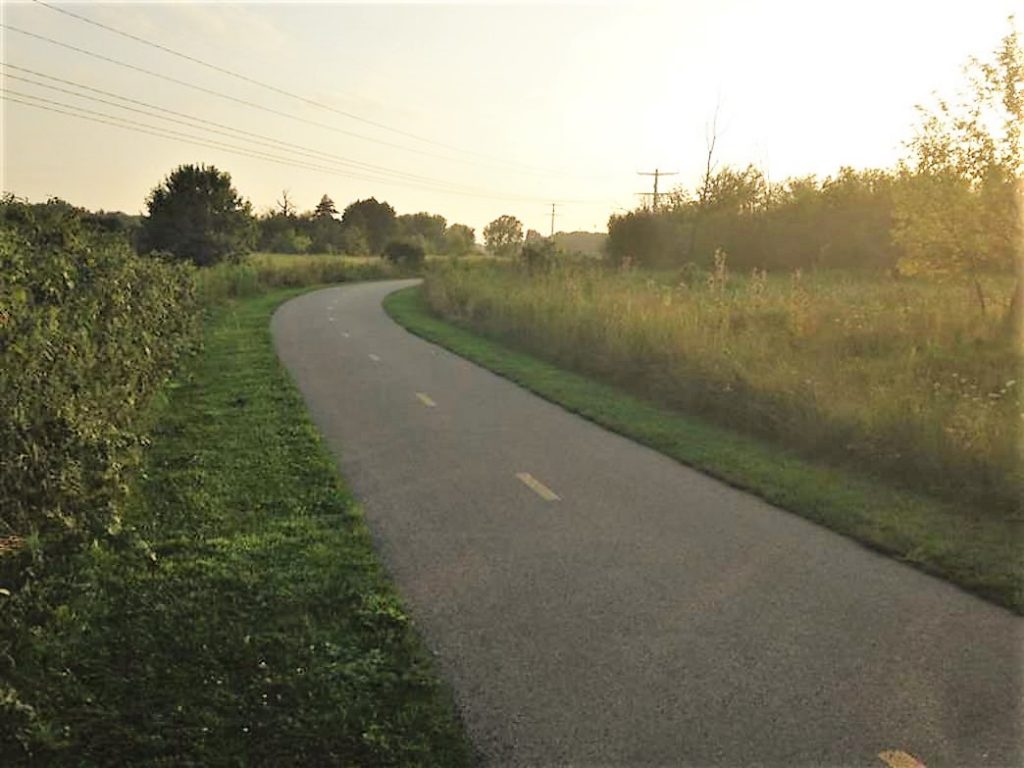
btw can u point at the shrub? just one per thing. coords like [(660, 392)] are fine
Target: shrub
[(406, 252), (538, 255), (198, 216), (88, 332)]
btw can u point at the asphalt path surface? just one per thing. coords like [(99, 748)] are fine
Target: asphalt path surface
[(594, 603)]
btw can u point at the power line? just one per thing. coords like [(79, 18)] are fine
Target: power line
[(132, 125), (274, 88), (191, 121), (242, 77), (657, 174), (229, 97)]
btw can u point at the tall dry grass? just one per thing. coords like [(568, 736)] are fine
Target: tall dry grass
[(904, 379), (262, 272)]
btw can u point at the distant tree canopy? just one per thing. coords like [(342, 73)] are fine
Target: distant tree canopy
[(405, 251), (429, 228), (459, 240), (504, 235), (196, 215), (325, 208), (843, 221), (959, 206), (376, 221)]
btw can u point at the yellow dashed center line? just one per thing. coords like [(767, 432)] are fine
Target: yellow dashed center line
[(425, 399), (896, 758), (537, 486)]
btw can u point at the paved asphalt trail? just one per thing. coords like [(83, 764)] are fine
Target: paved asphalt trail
[(650, 615)]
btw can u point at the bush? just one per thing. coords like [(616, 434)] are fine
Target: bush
[(538, 255), (88, 332), (198, 216), (406, 252)]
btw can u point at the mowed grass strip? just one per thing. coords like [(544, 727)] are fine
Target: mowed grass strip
[(978, 552), (258, 628)]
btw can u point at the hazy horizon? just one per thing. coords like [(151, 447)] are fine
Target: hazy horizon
[(513, 106)]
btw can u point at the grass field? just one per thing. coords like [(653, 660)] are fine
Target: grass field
[(901, 379), (980, 551), (244, 618)]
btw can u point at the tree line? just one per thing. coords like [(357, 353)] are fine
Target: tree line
[(953, 208), (364, 228)]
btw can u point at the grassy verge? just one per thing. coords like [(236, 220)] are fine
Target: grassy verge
[(977, 552), (244, 619)]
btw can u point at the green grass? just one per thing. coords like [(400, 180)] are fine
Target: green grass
[(903, 379), (981, 553), (244, 619)]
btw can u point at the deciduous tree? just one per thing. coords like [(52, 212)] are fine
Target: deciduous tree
[(376, 220), (958, 208), (504, 235), (196, 215)]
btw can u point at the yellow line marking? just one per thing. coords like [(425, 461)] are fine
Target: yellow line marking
[(537, 486), (896, 758), (374, 358), (425, 399)]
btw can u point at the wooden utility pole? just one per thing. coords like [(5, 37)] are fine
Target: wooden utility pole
[(657, 174), (552, 220)]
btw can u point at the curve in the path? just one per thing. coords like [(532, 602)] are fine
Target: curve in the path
[(595, 603)]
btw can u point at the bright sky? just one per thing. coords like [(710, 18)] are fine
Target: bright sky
[(486, 108)]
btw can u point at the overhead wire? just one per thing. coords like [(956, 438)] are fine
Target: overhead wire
[(17, 97), (505, 163), (229, 131), (391, 176), (254, 81)]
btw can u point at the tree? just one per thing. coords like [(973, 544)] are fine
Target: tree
[(959, 200), (428, 227), (504, 235), (375, 219), (325, 208), (459, 239), (405, 252), (196, 215), (286, 205)]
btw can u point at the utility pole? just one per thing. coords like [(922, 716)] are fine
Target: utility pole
[(657, 174), (552, 220)]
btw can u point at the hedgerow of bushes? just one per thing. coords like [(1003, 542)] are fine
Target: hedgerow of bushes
[(88, 333)]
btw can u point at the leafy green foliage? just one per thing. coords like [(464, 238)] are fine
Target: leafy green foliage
[(88, 331), (196, 215), (895, 378), (959, 212), (843, 221), (375, 220), (539, 254), (979, 552), (257, 626), (427, 227), (459, 240), (407, 252), (504, 235)]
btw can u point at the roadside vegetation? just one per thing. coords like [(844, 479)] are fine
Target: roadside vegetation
[(183, 577), (870, 323), (904, 379), (700, 421)]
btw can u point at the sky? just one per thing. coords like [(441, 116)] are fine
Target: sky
[(471, 110)]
